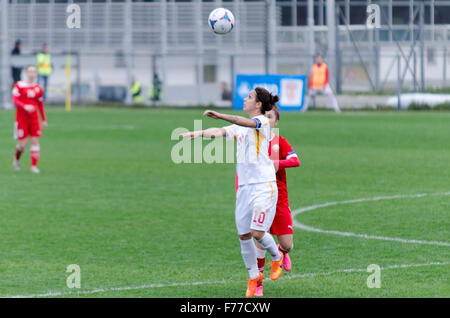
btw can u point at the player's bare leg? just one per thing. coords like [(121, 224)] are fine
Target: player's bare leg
[(35, 154), (286, 243), (267, 241), (20, 147)]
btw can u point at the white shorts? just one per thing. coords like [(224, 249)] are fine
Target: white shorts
[(256, 205)]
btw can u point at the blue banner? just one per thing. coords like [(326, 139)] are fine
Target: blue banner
[(289, 88)]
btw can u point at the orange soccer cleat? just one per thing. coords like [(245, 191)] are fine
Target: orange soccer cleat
[(252, 284), (277, 268)]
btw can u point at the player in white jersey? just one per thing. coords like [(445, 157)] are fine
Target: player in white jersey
[(257, 195)]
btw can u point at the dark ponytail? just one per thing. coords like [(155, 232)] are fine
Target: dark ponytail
[(266, 98), (276, 110)]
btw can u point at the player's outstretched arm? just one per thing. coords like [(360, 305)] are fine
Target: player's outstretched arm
[(238, 120), (207, 133)]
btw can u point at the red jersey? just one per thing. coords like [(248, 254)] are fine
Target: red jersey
[(28, 94), (281, 152)]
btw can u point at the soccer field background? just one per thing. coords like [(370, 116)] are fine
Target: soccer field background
[(110, 199)]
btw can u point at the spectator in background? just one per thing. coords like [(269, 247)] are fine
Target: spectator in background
[(155, 89), (226, 93), (44, 67), (318, 81), (136, 91), (16, 71)]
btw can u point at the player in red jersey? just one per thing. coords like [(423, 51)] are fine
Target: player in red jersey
[(28, 98), (283, 156)]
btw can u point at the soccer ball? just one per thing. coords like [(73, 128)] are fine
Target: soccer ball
[(221, 21)]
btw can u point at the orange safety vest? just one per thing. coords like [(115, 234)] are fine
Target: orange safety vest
[(319, 76)]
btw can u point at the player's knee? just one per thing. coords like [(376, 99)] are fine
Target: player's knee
[(287, 247), (257, 234), (286, 243), (244, 237), (22, 144), (290, 247)]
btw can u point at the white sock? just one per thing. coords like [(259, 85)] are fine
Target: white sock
[(260, 253), (248, 251), (269, 244)]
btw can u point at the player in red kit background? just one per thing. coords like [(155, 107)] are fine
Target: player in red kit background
[(28, 98), (283, 156)]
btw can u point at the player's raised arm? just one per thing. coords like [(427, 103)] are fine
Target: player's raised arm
[(207, 133), (237, 120)]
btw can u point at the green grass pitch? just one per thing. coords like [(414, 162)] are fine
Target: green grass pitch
[(110, 199)]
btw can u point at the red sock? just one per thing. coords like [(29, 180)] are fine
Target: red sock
[(35, 153), (261, 258), (261, 263), (19, 152)]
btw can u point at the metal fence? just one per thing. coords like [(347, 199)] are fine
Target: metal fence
[(121, 39)]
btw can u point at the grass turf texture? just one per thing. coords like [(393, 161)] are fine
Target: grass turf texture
[(110, 199)]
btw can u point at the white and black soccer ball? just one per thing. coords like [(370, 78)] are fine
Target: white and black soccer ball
[(221, 21)]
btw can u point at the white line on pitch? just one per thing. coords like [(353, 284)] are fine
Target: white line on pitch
[(165, 285), (365, 236)]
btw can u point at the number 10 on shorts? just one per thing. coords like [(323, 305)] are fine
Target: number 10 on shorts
[(259, 217)]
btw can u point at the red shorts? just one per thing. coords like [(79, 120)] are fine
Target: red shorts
[(282, 223), (27, 127)]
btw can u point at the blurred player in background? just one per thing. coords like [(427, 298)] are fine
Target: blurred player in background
[(283, 156), (256, 197), (319, 81), (28, 98)]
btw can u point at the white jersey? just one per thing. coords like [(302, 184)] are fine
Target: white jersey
[(252, 151)]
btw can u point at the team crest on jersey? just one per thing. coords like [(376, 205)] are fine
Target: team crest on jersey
[(36, 89), (275, 148), (31, 93)]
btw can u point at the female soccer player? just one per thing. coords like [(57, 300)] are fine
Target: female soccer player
[(257, 194), (28, 98), (283, 157)]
